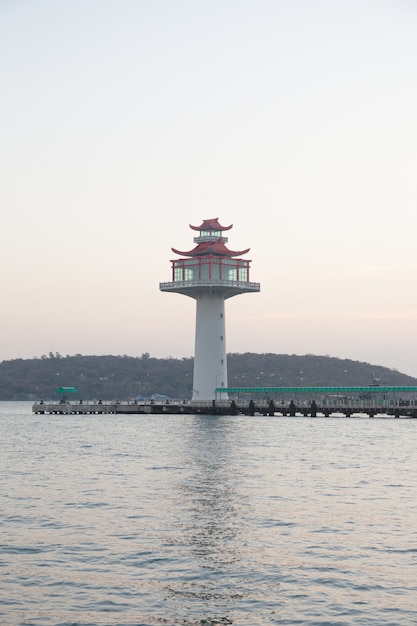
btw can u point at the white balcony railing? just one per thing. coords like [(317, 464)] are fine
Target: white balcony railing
[(213, 282)]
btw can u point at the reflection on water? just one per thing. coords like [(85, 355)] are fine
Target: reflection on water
[(206, 520), (209, 493)]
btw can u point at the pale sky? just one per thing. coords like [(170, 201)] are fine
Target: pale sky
[(122, 122)]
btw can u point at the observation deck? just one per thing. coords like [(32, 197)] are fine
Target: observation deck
[(228, 288)]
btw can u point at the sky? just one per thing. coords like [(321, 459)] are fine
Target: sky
[(125, 121)]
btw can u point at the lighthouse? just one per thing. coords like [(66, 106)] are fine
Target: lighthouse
[(210, 273)]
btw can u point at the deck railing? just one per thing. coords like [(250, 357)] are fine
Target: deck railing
[(240, 284)]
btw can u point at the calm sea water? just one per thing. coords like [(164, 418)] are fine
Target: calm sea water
[(150, 520)]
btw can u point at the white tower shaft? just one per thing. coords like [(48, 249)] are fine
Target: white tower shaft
[(210, 360)]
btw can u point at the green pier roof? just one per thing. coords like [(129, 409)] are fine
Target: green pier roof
[(370, 389)]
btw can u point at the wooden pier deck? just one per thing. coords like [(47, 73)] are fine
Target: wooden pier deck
[(394, 408)]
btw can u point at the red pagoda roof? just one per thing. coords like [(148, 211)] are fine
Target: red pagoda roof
[(217, 248), (211, 224)]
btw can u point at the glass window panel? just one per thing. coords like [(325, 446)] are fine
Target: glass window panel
[(232, 274), (210, 233), (215, 271), (204, 271), (189, 273)]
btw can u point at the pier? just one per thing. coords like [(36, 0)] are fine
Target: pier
[(280, 401)]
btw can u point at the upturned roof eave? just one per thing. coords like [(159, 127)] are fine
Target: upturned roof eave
[(210, 248), (192, 253), (211, 224)]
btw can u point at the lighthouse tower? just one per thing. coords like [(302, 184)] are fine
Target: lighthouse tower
[(210, 273)]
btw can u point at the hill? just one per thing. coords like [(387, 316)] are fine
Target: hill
[(123, 377)]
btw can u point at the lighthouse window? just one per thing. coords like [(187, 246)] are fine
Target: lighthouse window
[(215, 270), (243, 273), (190, 269), (177, 273), (232, 273), (204, 271), (210, 233)]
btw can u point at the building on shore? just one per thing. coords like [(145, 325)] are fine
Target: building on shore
[(210, 273)]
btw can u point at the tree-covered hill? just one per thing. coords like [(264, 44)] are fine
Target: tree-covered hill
[(124, 377)]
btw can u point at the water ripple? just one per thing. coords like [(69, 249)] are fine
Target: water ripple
[(202, 520)]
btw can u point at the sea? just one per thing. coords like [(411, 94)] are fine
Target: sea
[(121, 520)]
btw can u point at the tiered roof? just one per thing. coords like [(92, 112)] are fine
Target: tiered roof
[(211, 224), (216, 247)]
